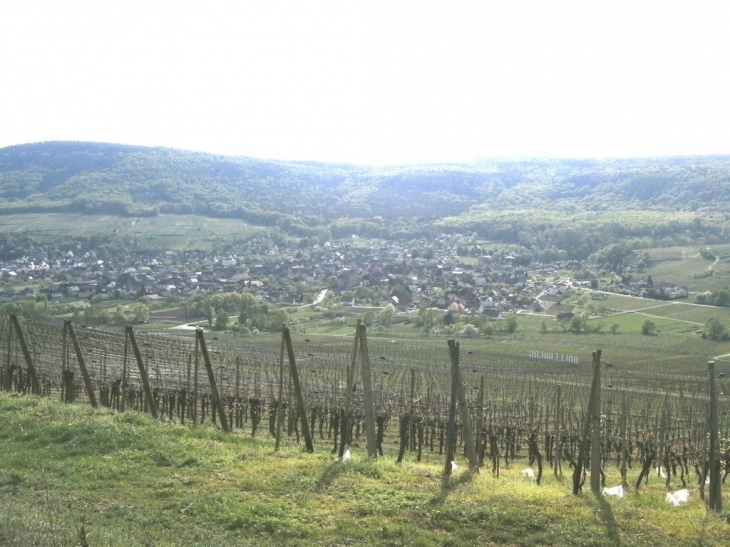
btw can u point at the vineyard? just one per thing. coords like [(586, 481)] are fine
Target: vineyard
[(481, 406)]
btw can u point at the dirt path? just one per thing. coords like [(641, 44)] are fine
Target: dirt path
[(321, 296)]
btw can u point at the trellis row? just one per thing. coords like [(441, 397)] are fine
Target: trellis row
[(512, 402)]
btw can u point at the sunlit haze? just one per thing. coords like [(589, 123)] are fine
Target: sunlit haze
[(370, 82)]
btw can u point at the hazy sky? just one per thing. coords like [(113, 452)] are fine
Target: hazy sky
[(370, 82)]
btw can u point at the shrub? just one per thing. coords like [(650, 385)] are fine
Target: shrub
[(648, 327), (470, 331)]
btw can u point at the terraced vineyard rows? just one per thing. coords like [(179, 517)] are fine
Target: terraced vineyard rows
[(517, 398)]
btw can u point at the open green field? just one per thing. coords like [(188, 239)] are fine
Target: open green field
[(68, 471), (677, 345), (686, 313), (163, 232), (614, 303), (684, 266)]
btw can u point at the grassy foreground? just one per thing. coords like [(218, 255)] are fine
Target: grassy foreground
[(71, 475)]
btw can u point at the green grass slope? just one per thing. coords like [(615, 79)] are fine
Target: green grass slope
[(68, 472)]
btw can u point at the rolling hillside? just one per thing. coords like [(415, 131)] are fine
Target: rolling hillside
[(97, 176), (530, 202)]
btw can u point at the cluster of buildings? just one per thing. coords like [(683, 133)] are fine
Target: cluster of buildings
[(408, 274)]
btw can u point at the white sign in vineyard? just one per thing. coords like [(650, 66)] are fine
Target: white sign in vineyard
[(551, 356)]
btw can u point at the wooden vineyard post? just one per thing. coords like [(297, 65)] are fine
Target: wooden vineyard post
[(451, 424), (35, 385), (411, 399), (704, 468), (405, 421), (294, 374), (463, 408), (624, 438), (585, 441), (556, 440), (188, 393), (279, 400), (480, 422), (211, 379), (6, 376), (349, 389), (67, 387), (367, 389), (64, 363), (125, 369), (142, 372), (82, 363), (194, 405), (596, 425), (237, 409), (715, 497), (221, 380)]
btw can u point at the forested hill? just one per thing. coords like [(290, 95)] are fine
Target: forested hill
[(133, 180)]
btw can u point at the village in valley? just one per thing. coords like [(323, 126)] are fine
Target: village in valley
[(452, 272)]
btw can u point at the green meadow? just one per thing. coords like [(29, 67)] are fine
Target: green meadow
[(684, 266), (72, 475), (155, 233), (615, 327)]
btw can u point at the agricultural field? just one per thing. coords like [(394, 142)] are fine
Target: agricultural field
[(132, 480), (685, 266), (157, 233), (246, 367), (615, 303), (676, 345), (692, 314)]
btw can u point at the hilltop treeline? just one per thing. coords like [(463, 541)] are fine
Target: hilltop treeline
[(577, 206)]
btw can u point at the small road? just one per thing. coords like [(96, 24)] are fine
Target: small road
[(717, 259), (187, 326), (321, 296)]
